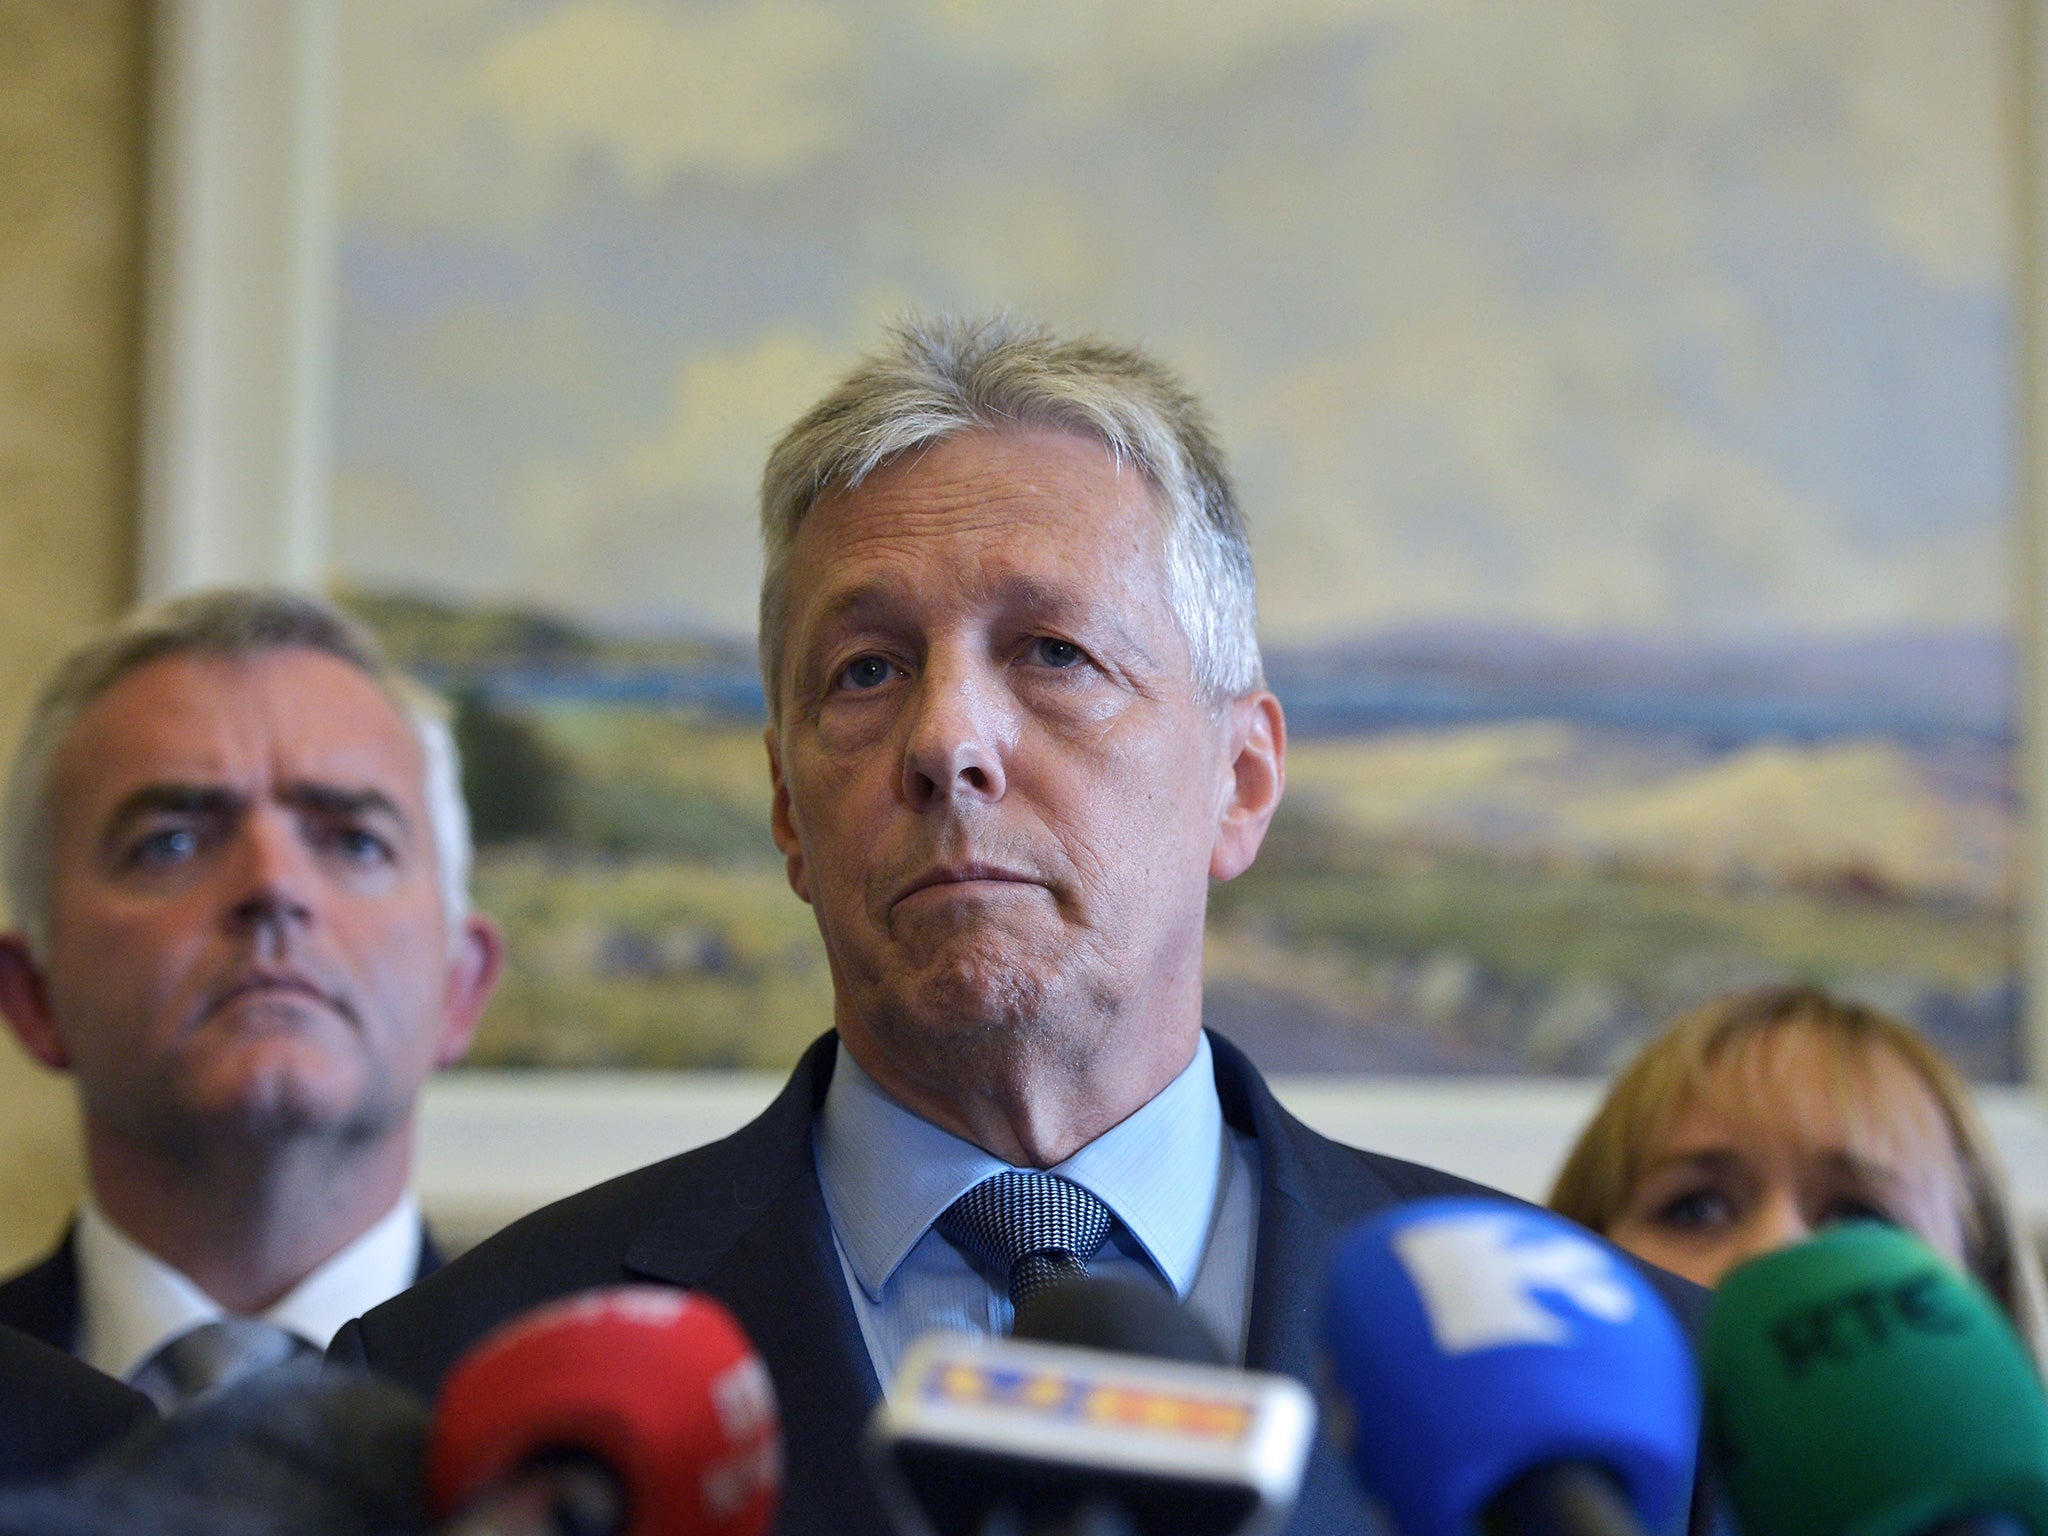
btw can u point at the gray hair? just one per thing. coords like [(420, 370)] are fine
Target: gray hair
[(935, 379), (234, 622)]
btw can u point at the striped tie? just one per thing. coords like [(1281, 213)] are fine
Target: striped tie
[(216, 1355)]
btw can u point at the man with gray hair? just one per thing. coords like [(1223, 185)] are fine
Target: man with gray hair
[(237, 857), (1017, 725)]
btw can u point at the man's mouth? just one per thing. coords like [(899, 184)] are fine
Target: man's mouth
[(946, 876), (273, 986)]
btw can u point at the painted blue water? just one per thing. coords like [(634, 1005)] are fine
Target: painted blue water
[(1913, 689)]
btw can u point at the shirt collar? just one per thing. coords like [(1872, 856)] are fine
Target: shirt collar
[(367, 1273), (131, 1303), (887, 1174)]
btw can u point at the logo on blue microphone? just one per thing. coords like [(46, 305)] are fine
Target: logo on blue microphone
[(1488, 1278)]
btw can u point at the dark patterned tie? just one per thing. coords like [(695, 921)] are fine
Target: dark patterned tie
[(1037, 1228), (214, 1355)]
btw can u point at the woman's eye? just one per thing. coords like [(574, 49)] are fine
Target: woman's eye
[(1695, 1210), (1056, 653), (1852, 1209), (865, 672)]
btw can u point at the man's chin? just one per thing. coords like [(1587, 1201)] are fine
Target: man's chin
[(970, 994), (285, 1104)]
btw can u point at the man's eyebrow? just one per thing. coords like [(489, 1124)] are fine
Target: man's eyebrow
[(1029, 593), (178, 799), (856, 601), (334, 800), (1018, 591), (171, 799)]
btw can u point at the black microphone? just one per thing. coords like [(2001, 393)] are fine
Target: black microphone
[(1124, 1317), (1030, 1437), (293, 1451)]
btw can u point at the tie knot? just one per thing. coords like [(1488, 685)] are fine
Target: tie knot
[(1038, 1230), (215, 1355)]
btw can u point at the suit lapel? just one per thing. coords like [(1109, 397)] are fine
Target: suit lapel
[(43, 1301), (1310, 1190), (431, 1257), (757, 1237), (1306, 1199), (784, 1281), (1287, 1278)]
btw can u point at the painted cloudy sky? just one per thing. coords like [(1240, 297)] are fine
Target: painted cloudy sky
[(1591, 314)]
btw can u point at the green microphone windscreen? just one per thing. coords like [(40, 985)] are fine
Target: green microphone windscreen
[(1858, 1385)]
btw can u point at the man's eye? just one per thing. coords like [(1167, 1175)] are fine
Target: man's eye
[(166, 845), (865, 672), (1695, 1210), (359, 845), (355, 844), (1055, 653)]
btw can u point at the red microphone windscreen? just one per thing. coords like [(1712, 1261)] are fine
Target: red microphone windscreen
[(661, 1387)]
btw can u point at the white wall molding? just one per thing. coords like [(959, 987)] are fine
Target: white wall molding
[(237, 346), (2029, 116), (495, 1145)]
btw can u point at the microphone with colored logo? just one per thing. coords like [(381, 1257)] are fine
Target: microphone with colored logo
[(632, 1411), (985, 1436), (1859, 1384), (1505, 1372)]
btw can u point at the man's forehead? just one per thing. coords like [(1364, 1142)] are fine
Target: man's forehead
[(984, 466), (288, 715), (1030, 516)]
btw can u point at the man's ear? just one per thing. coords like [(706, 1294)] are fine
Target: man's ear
[(473, 974), (783, 823), (25, 1000), (1255, 744)]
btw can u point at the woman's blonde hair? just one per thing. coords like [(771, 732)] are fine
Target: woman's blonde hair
[(1614, 1150)]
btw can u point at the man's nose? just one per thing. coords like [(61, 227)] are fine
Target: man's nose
[(962, 726), (272, 872)]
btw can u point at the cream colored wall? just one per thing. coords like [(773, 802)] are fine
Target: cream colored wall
[(71, 139)]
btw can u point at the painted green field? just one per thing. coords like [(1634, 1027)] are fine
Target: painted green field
[(653, 927)]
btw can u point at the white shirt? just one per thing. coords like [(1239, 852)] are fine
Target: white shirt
[(131, 1303)]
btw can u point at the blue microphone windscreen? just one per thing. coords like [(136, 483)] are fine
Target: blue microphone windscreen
[(1474, 1340)]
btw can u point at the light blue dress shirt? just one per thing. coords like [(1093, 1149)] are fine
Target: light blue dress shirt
[(1184, 1187)]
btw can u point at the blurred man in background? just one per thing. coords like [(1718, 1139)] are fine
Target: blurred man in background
[(236, 855)]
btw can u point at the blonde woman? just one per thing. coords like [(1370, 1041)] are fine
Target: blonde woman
[(1770, 1113)]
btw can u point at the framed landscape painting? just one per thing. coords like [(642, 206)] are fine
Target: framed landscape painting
[(1623, 399)]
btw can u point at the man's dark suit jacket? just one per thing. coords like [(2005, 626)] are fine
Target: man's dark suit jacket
[(744, 1219), (55, 1412), (42, 1301)]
